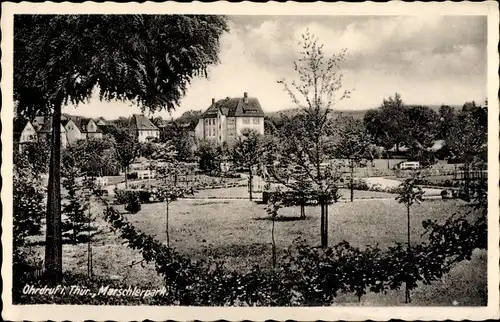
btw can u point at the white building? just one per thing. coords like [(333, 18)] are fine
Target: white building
[(144, 128), (224, 120)]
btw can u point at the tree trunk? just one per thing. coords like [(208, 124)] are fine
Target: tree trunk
[(250, 177), (324, 222), (53, 238), (325, 200), (126, 180), (352, 181), (166, 227), (302, 211), (407, 290), (274, 243), (89, 246)]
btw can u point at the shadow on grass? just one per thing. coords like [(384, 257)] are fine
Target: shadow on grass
[(282, 218)]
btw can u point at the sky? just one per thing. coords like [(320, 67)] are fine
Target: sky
[(429, 60)]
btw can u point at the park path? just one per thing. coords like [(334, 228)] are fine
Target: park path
[(241, 193), (392, 183)]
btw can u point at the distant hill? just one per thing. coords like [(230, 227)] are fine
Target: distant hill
[(356, 114)]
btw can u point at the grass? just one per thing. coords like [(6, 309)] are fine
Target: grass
[(235, 231), (234, 228)]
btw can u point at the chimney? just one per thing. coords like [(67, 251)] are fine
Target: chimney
[(245, 97), (213, 101)]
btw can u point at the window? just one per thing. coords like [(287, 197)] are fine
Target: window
[(246, 120), (256, 120)]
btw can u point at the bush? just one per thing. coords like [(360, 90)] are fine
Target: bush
[(144, 196), (132, 176), (308, 275), (121, 196), (133, 204)]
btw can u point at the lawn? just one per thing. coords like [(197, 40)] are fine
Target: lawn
[(239, 231)]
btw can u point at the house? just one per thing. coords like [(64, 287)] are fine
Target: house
[(46, 131), (108, 128), (73, 132), (91, 129), (101, 121), (143, 128), (224, 120), (86, 126), (24, 132)]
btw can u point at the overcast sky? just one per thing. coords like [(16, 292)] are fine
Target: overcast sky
[(427, 59)]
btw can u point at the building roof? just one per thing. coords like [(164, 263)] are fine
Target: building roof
[(141, 123), (47, 126), (80, 122), (235, 107), (108, 128)]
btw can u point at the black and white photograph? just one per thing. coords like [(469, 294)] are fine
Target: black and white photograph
[(179, 158)]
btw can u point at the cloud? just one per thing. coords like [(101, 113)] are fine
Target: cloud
[(428, 59)]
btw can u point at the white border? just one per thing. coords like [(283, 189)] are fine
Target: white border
[(64, 312)]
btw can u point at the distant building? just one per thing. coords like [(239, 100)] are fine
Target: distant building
[(91, 129), (224, 120), (73, 132), (86, 127), (46, 131), (24, 132), (144, 128)]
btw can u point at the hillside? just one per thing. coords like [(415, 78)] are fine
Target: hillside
[(357, 114)]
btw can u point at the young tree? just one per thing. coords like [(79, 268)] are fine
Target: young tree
[(275, 204), (354, 145), (306, 143), (169, 193), (247, 153), (127, 149), (409, 193), (146, 59), (28, 200), (74, 207)]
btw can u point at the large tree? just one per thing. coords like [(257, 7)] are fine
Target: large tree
[(305, 144), (447, 118), (146, 59), (388, 123)]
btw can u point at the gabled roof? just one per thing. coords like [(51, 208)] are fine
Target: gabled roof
[(108, 128), (235, 107), (101, 119), (47, 127), (140, 122), (163, 123), (80, 122)]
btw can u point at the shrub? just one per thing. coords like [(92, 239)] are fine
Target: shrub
[(121, 196), (307, 275), (132, 176), (144, 196), (133, 204)]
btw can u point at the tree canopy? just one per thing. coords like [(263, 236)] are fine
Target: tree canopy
[(146, 59)]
